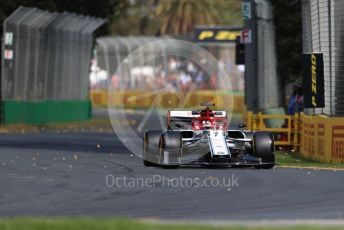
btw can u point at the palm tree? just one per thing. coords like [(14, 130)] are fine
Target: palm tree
[(181, 16)]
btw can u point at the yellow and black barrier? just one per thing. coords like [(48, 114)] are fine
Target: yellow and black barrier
[(144, 99), (288, 133), (317, 137), (322, 138)]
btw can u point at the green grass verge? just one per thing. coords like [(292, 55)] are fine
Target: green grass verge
[(114, 224), (95, 124), (295, 159), (92, 125)]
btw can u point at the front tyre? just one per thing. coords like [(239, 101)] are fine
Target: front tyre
[(170, 149), (151, 148), (264, 148)]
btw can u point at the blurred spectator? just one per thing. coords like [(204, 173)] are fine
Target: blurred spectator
[(178, 74), (299, 99), (296, 100), (292, 101), (185, 81), (161, 80), (172, 80), (199, 80), (213, 81), (115, 81), (190, 68)]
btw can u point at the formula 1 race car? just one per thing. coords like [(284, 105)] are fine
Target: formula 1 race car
[(202, 138)]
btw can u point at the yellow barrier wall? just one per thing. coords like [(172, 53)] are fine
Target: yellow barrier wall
[(321, 137), (337, 132), (136, 99)]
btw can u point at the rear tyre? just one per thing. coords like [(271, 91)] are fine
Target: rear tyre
[(151, 149), (170, 149), (264, 148)]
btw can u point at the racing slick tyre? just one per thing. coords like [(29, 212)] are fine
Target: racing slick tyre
[(264, 148), (151, 149), (170, 149)]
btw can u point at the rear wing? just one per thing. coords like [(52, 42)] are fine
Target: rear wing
[(188, 115), (192, 113)]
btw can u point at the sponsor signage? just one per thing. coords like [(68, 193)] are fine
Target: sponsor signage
[(8, 54), (313, 80), (338, 141), (8, 38), (246, 10), (216, 34), (246, 36)]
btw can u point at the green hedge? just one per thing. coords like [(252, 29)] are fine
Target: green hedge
[(42, 112)]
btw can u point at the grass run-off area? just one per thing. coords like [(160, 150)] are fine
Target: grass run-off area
[(295, 159), (114, 224)]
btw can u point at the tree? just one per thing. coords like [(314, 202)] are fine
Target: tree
[(288, 24), (135, 18), (152, 17), (181, 16)]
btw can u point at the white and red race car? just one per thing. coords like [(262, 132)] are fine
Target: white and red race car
[(203, 138)]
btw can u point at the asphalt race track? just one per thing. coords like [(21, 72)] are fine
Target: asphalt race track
[(60, 174)]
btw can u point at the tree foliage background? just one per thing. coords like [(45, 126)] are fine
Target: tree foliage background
[(141, 17), (288, 29), (157, 17)]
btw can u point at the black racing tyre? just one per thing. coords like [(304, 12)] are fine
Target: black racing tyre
[(264, 148), (170, 149), (151, 148)]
